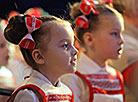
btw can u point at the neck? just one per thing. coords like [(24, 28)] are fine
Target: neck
[(97, 59), (51, 76)]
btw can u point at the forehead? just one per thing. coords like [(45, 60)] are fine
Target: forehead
[(110, 21), (61, 32)]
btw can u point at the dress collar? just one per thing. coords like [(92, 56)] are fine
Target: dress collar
[(38, 75), (86, 65)]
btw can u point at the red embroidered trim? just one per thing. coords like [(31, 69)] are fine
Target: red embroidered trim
[(101, 91), (53, 97), (44, 97), (89, 85), (59, 97)]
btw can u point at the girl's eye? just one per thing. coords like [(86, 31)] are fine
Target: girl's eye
[(66, 46), (114, 34)]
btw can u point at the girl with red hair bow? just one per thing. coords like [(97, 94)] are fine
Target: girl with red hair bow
[(47, 46)]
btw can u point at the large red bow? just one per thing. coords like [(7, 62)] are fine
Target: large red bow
[(32, 23), (86, 6), (81, 21)]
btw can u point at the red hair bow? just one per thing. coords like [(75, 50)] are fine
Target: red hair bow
[(110, 2), (86, 6), (32, 23), (81, 21)]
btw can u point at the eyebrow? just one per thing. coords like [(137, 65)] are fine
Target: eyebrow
[(118, 29), (67, 40), (64, 40)]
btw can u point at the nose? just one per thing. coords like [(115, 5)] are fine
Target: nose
[(74, 51), (120, 41)]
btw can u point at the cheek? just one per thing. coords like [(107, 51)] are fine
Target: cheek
[(64, 56), (1, 54), (3, 60), (112, 43), (61, 57)]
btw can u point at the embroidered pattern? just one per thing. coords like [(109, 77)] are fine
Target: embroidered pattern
[(59, 97), (104, 80)]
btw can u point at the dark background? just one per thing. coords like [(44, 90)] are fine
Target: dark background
[(53, 7)]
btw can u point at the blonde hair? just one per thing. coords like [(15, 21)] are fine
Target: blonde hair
[(127, 6), (118, 15)]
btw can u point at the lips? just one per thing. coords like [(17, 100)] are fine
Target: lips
[(74, 61), (120, 50)]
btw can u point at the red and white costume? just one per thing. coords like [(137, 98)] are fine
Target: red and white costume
[(91, 83), (49, 93)]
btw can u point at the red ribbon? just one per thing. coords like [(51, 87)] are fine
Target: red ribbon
[(81, 21), (86, 6), (32, 23), (110, 2)]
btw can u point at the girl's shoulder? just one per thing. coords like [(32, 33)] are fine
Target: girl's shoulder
[(33, 92), (26, 95)]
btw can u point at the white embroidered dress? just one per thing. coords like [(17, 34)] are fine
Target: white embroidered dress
[(60, 93)]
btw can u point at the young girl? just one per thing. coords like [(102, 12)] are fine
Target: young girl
[(98, 29), (47, 46)]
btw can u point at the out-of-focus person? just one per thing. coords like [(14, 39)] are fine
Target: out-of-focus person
[(6, 78), (17, 66), (128, 62)]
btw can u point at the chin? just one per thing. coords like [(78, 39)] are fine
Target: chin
[(115, 57)]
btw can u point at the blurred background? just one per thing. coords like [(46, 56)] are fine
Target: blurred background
[(54, 7)]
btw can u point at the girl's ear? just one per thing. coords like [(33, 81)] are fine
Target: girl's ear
[(38, 57), (88, 39)]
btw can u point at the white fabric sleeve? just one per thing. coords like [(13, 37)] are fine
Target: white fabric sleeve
[(78, 86), (26, 96)]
